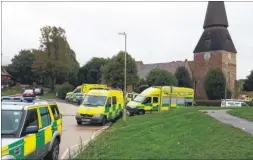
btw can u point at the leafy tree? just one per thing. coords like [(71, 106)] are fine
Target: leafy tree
[(113, 72), (81, 75), (93, 69), (141, 85), (248, 85), (55, 57), (161, 77), (183, 77), (214, 84), (21, 67)]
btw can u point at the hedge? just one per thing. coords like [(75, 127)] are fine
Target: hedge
[(63, 89), (216, 103)]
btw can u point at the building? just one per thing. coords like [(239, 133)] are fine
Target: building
[(215, 49), (5, 76)]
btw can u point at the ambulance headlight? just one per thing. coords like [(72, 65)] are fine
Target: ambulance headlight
[(96, 116)]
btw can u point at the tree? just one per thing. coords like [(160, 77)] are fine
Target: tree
[(141, 85), (21, 67), (93, 69), (55, 57), (183, 77), (248, 85), (214, 84), (161, 77), (113, 72)]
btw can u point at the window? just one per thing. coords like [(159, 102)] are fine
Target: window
[(109, 104), (166, 100), (31, 118), (78, 90), (56, 112), (207, 42), (94, 101), (45, 117), (147, 100), (155, 99), (129, 95), (114, 100), (11, 120)]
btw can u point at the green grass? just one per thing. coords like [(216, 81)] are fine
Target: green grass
[(245, 113), (49, 95), (183, 133), (11, 91)]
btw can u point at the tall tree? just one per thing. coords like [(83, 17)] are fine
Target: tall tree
[(93, 68), (161, 77), (55, 56), (113, 72), (21, 67), (214, 84), (248, 85), (183, 77)]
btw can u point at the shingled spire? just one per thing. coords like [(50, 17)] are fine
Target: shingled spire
[(215, 35)]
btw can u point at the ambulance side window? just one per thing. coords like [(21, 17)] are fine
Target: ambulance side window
[(108, 103), (31, 118), (155, 99), (56, 112), (45, 117), (114, 100), (147, 100)]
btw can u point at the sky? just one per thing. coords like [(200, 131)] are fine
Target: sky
[(156, 31)]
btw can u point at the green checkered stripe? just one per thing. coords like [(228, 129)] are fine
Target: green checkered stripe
[(115, 111)]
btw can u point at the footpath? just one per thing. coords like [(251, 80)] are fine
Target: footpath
[(224, 117)]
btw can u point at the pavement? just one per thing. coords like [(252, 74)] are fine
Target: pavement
[(226, 118), (71, 132)]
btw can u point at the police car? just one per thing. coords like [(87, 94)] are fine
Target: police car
[(30, 130)]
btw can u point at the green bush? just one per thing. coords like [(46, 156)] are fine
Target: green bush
[(215, 103), (64, 89), (250, 103)]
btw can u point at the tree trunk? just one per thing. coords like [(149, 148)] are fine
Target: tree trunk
[(53, 79)]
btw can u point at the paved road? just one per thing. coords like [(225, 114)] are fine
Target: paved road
[(237, 122), (71, 131)]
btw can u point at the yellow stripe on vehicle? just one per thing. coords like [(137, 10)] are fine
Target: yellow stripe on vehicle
[(29, 144), (48, 134), (5, 150), (59, 126)]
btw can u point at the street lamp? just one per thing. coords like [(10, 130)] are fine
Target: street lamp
[(124, 112)]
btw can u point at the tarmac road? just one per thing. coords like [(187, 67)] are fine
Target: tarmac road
[(71, 132)]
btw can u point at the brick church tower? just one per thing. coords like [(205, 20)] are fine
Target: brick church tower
[(215, 49)]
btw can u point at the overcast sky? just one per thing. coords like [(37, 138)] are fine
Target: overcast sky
[(157, 32)]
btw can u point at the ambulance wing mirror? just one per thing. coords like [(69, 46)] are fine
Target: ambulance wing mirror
[(31, 129)]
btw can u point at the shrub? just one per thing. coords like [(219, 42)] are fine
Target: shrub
[(64, 89), (215, 103), (250, 103)]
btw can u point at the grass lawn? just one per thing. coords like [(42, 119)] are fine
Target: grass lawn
[(49, 95), (245, 113), (11, 91), (181, 133)]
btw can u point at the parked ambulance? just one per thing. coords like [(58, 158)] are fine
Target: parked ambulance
[(160, 98), (101, 105)]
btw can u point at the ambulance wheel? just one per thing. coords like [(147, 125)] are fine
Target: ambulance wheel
[(54, 153), (103, 121), (141, 112), (79, 122)]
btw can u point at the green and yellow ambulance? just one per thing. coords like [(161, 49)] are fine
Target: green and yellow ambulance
[(100, 106), (84, 88), (160, 98), (30, 131)]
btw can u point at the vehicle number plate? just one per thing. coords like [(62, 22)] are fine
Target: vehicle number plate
[(86, 120)]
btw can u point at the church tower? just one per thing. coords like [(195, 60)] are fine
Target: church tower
[(215, 49)]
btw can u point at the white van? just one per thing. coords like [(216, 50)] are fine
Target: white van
[(233, 103)]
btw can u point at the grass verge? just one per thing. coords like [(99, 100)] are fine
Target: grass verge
[(182, 133), (245, 113), (11, 91), (49, 95)]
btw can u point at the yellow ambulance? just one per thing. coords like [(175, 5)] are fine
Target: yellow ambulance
[(101, 105), (160, 98), (84, 88)]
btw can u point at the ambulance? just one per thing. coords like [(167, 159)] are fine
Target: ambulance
[(131, 96), (101, 105), (160, 98), (84, 88)]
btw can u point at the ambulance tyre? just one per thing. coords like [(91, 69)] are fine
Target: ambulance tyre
[(54, 153), (79, 122), (141, 112), (103, 121)]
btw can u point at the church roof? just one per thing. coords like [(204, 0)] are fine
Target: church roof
[(215, 35), (4, 72), (215, 14)]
